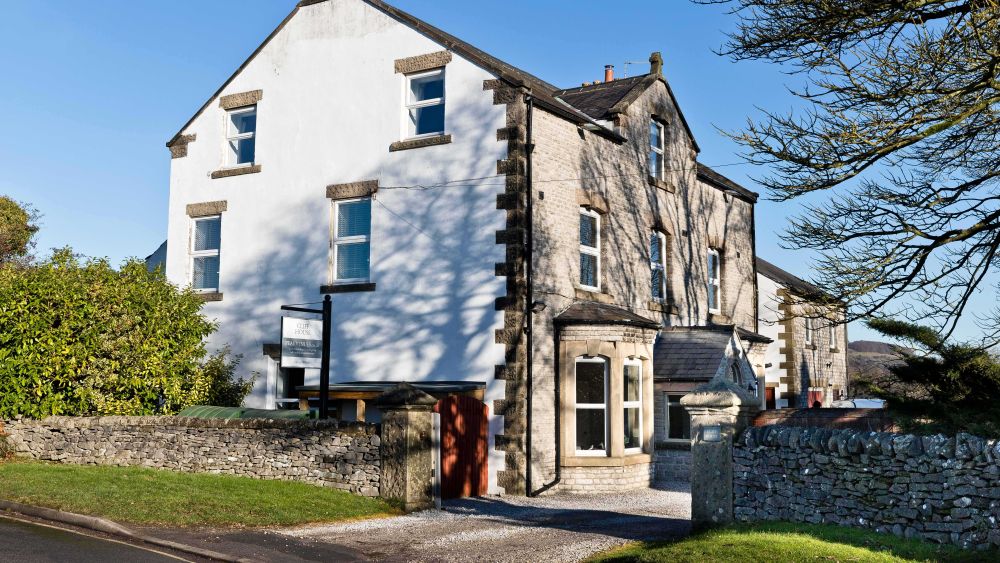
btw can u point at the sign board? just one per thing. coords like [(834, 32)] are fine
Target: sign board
[(301, 343)]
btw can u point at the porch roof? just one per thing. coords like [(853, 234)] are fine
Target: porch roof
[(692, 353), (589, 312)]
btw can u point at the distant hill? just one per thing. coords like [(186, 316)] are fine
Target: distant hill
[(871, 347), (869, 361)]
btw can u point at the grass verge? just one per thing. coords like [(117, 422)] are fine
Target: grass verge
[(780, 542), (153, 497)]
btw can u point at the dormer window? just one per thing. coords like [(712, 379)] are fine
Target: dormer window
[(425, 103), (241, 133), (656, 149)]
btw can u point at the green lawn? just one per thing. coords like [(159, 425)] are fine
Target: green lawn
[(779, 542), (156, 497)]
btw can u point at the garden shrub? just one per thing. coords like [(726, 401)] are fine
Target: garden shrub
[(78, 337)]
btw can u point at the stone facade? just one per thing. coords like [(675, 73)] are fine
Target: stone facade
[(672, 464), (938, 488), (571, 165), (818, 366), (342, 456)]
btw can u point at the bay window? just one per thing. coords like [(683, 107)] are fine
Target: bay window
[(632, 403), (591, 394)]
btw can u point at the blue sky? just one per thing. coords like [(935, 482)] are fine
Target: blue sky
[(95, 89)]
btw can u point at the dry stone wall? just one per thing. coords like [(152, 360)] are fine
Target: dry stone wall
[(327, 453), (939, 488)]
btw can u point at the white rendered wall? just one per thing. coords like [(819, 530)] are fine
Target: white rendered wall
[(331, 106), (769, 316)]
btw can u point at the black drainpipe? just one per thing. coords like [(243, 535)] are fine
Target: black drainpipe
[(529, 147)]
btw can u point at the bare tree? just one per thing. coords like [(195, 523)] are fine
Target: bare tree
[(900, 124)]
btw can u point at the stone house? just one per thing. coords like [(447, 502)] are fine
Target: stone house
[(558, 254), (807, 361)]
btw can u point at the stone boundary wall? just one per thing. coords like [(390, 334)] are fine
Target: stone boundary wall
[(872, 420), (938, 488), (345, 456)]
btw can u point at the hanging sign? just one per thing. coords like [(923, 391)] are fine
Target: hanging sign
[(301, 343)]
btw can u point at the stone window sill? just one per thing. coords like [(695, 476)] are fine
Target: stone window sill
[(347, 287), (210, 296), (662, 307), (227, 172), (419, 143), (720, 318), (605, 461), (660, 184), (591, 295)]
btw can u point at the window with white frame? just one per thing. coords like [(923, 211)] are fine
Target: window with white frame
[(425, 103), (591, 392), (658, 265), (241, 136), (590, 249), (714, 281), (678, 421), (632, 402), (833, 336), (656, 147), (809, 330), (351, 240), (206, 241)]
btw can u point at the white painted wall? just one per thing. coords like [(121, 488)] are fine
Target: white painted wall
[(769, 316), (331, 106)]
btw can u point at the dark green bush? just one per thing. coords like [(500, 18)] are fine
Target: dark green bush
[(940, 386), (78, 337)]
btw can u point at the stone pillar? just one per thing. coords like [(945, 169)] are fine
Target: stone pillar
[(720, 411), (407, 463)]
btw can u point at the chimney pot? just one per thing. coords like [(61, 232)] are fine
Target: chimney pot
[(609, 73)]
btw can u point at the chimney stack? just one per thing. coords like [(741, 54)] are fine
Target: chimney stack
[(609, 73)]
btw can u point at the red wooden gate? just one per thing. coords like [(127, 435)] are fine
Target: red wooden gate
[(814, 398), (769, 399), (463, 446)]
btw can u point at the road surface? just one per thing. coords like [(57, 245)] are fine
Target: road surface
[(32, 543)]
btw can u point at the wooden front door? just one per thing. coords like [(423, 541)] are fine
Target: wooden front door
[(814, 398), (464, 425), (769, 402)]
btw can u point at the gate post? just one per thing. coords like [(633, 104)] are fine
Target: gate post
[(720, 411), (406, 446)]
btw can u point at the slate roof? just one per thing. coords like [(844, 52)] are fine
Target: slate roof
[(710, 176), (596, 100), (794, 283), (587, 312), (690, 353)]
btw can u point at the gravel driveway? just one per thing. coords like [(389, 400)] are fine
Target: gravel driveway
[(553, 528)]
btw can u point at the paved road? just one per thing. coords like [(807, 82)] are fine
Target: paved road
[(556, 528), (30, 543)]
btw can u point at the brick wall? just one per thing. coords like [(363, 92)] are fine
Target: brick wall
[(327, 453)]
